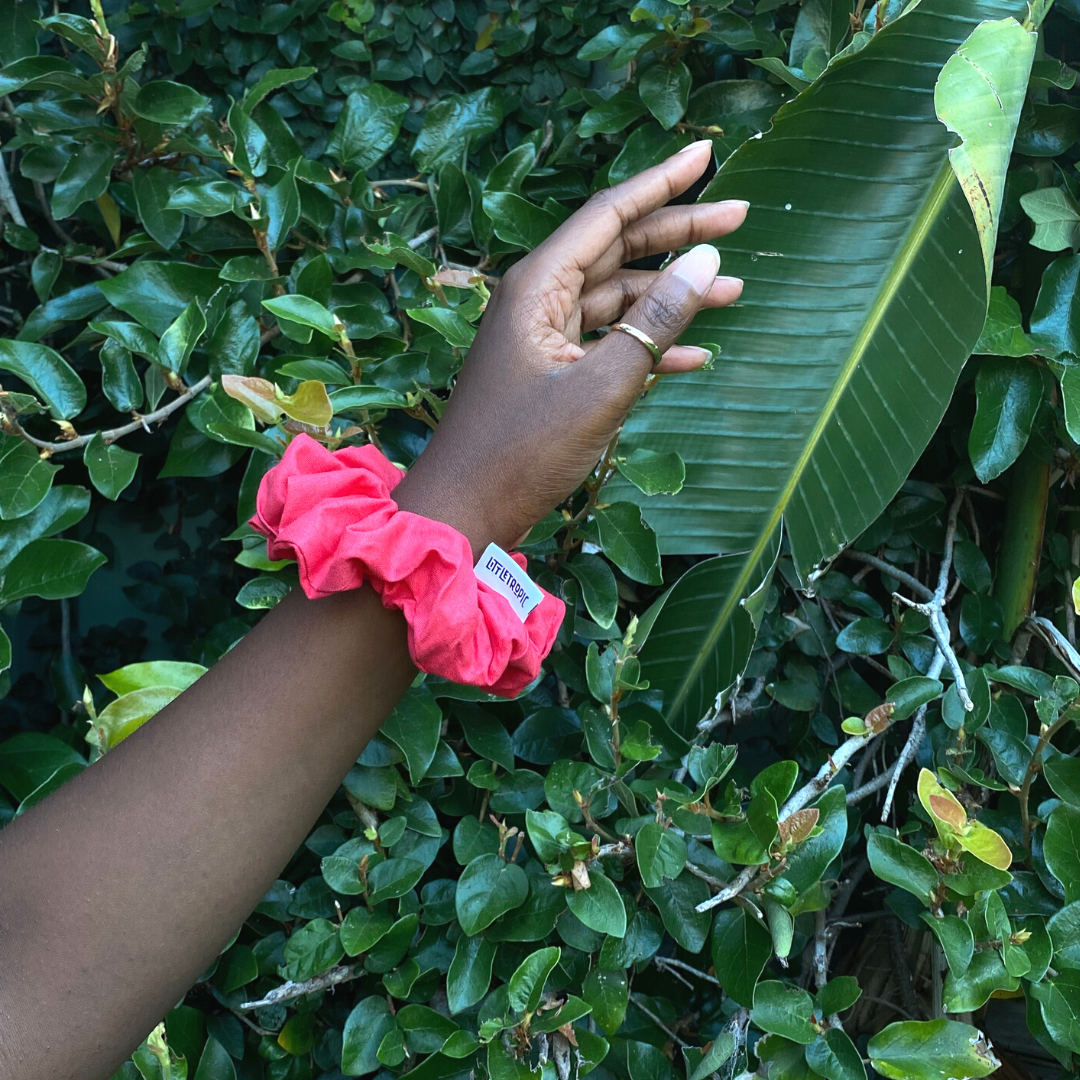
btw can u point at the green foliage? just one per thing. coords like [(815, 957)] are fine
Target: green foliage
[(227, 224)]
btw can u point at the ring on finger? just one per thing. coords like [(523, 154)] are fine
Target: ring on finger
[(641, 336)]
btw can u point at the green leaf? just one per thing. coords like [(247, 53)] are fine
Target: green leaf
[(599, 907), (908, 694), (954, 935), (300, 309), (1063, 775), (312, 949), (518, 221), (931, 1050), (25, 478), (1056, 217), (168, 103), (1055, 320), (51, 569), (607, 994), (741, 947), (664, 90), (367, 126), (128, 713), (835, 1057), (598, 587), (111, 467), (629, 543), (368, 1024), (453, 327), (215, 1063), (487, 888), (1009, 392), (978, 95), (838, 995), (152, 189), (202, 197), (701, 635), (281, 204), (653, 472), (865, 637), (48, 374), (985, 975), (1059, 1002), (1061, 849), (528, 981), (85, 177), (885, 374), (414, 726), (28, 760), (900, 864), (119, 379), (156, 293), (454, 123), (363, 929), (273, 80), (177, 673), (784, 1010), (1003, 332), (811, 858), (470, 972), (661, 854)]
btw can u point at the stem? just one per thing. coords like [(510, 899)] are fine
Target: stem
[(1034, 767), (1021, 544), (11, 425)]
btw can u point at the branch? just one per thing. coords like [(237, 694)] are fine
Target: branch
[(288, 991), (636, 999), (868, 789), (7, 196), (914, 741), (1058, 642), (424, 237), (913, 583), (113, 434), (746, 875), (663, 962)]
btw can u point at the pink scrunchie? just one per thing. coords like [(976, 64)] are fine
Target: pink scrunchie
[(333, 514)]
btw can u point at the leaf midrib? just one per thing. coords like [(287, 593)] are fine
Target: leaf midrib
[(916, 237)]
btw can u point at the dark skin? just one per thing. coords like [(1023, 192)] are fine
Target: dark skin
[(119, 890)]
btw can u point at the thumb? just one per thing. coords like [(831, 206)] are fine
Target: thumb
[(663, 313)]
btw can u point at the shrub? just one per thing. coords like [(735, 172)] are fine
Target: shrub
[(743, 778)]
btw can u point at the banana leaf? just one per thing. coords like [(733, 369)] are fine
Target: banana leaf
[(866, 290)]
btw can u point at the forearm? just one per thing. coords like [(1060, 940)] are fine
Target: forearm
[(119, 890)]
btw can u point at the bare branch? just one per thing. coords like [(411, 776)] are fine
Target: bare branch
[(287, 991), (902, 576), (113, 434)]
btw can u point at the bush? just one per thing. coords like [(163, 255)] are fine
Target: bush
[(744, 780)]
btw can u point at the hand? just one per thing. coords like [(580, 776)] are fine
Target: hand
[(534, 408)]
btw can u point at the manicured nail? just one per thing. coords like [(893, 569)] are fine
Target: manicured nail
[(702, 356), (698, 267), (697, 145), (730, 282)]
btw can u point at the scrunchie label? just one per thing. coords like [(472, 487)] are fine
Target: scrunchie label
[(496, 569)]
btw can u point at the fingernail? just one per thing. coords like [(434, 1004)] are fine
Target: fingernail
[(723, 279), (698, 267), (702, 355), (696, 145)]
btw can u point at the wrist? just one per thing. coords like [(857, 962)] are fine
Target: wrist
[(438, 501)]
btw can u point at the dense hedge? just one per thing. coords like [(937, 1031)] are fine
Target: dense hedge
[(747, 825)]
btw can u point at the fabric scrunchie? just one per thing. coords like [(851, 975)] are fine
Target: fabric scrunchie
[(333, 513)]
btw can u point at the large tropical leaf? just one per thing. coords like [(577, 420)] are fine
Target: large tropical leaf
[(699, 642), (865, 293)]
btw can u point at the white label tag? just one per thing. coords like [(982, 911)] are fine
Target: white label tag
[(497, 569)]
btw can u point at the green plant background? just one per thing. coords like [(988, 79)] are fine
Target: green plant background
[(322, 197)]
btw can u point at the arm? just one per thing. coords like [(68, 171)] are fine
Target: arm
[(118, 890)]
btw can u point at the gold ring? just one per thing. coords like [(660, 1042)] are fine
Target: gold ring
[(640, 335)]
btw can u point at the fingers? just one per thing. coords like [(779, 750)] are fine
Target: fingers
[(608, 301), (587, 234), (674, 227), (619, 363), (677, 359)]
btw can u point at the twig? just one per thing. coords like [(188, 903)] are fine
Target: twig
[(914, 740), (636, 999), (115, 433), (424, 237), (836, 761), (1046, 733), (696, 870), (420, 185), (287, 991), (868, 789), (1058, 642), (821, 954), (46, 212), (902, 576), (669, 962), (746, 875), (7, 196)]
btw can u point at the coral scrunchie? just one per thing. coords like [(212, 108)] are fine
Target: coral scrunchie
[(333, 514)]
